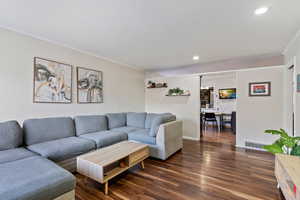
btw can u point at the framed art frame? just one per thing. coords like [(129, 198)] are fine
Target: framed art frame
[(89, 86), (298, 82), (258, 89), (52, 81)]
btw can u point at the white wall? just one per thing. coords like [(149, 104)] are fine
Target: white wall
[(256, 114), (123, 86), (221, 81), (292, 56), (185, 108)]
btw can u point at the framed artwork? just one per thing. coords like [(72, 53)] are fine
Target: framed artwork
[(89, 86), (259, 89), (52, 81), (298, 82)]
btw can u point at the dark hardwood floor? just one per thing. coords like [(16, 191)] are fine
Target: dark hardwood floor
[(205, 170), (212, 134)]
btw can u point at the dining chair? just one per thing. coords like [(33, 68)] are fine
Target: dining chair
[(233, 122), (209, 117), (226, 119)]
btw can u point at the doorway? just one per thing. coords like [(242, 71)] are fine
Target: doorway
[(218, 107), (290, 123)]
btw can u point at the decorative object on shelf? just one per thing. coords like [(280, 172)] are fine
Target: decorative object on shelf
[(285, 144), (89, 86), (259, 89), (152, 84), (52, 81), (178, 92)]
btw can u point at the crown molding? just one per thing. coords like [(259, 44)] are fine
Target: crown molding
[(70, 47)]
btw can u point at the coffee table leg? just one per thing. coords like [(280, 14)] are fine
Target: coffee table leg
[(142, 165), (106, 188)]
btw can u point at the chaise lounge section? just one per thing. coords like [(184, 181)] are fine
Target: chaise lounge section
[(24, 174)]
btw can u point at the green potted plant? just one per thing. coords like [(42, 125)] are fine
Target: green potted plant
[(175, 91), (285, 144)]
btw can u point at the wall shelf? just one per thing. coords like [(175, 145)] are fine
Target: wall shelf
[(185, 95), (156, 87)]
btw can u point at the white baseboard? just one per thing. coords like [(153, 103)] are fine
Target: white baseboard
[(191, 138), (252, 148)]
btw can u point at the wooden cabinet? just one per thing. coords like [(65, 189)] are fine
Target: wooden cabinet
[(287, 172)]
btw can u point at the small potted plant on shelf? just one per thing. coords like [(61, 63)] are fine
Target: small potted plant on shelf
[(285, 144), (175, 92)]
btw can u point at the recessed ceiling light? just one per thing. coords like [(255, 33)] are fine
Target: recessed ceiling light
[(261, 10), (195, 58)]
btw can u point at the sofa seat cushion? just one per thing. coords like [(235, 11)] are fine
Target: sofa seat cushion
[(105, 138), (142, 136), (116, 120), (90, 124), (11, 135), (34, 178), (62, 149), (15, 154), (126, 129)]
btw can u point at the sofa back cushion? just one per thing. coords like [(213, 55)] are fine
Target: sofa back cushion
[(11, 135), (136, 119), (149, 119), (90, 124), (47, 129), (158, 120), (116, 120)]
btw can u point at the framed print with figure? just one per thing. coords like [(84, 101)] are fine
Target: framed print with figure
[(52, 81), (89, 86)]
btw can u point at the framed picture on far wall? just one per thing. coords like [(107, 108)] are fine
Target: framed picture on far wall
[(89, 86), (259, 89), (298, 82), (52, 82)]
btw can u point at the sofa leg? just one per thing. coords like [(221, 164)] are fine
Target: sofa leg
[(142, 165), (106, 188)]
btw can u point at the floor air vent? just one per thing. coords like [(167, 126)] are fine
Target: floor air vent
[(254, 145)]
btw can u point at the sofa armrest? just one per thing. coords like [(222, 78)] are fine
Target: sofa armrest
[(169, 137)]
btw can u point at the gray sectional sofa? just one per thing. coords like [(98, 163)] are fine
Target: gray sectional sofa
[(36, 160)]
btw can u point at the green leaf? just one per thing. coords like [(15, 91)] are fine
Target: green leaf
[(274, 148), (297, 138), (273, 132), (279, 142), (296, 151), (284, 133)]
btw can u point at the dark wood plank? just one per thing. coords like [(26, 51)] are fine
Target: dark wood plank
[(202, 170)]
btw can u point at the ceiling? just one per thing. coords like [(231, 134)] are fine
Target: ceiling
[(151, 34)]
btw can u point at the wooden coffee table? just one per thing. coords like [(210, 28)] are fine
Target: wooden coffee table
[(106, 163)]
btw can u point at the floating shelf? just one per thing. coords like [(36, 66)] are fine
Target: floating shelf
[(156, 87), (185, 95)]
